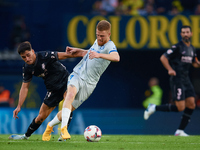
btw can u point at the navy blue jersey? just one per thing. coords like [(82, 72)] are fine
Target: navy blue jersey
[(181, 57), (49, 68)]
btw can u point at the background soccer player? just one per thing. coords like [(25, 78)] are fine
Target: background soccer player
[(177, 61), (86, 74), (46, 65)]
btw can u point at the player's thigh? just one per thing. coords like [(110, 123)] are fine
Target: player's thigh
[(53, 98), (178, 91), (46, 110), (43, 113), (83, 94), (71, 92), (73, 87), (190, 95), (189, 91)]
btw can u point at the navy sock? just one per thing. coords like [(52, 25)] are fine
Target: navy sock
[(32, 128), (70, 118), (185, 118), (167, 107)]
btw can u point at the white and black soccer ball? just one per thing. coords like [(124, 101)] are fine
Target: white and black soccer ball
[(92, 133)]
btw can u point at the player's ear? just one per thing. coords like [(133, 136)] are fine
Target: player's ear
[(109, 34), (33, 50)]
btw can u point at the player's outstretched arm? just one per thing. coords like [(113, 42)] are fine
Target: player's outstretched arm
[(71, 52), (114, 56), (22, 96)]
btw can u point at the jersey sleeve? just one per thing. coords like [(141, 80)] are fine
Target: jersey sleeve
[(170, 53), (27, 74), (112, 48)]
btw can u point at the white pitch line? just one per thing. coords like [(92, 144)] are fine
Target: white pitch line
[(92, 142)]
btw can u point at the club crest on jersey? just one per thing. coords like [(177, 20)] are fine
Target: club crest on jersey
[(43, 66), (92, 49), (192, 53), (173, 46)]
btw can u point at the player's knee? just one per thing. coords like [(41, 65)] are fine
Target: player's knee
[(70, 96), (39, 119), (181, 108), (192, 106)]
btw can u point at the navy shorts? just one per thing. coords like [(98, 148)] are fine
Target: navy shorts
[(53, 98), (181, 90)]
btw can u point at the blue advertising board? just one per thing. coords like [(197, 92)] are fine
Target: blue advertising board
[(110, 121)]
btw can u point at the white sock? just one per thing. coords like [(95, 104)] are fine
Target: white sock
[(54, 122), (154, 108), (65, 116)]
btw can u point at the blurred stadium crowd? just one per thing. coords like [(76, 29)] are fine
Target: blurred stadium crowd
[(146, 7), (19, 31)]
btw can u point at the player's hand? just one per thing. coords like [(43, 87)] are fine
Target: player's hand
[(172, 73), (15, 112), (68, 50), (71, 50), (93, 54), (197, 61)]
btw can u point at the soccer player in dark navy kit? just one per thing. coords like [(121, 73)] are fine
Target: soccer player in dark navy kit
[(46, 65), (177, 61)]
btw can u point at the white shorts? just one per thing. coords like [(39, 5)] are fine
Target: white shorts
[(84, 89)]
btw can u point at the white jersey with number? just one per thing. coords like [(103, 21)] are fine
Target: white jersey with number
[(90, 70)]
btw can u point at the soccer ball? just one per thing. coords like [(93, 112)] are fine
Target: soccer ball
[(92, 133)]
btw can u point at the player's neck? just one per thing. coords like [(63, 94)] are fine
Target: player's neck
[(34, 59), (186, 43)]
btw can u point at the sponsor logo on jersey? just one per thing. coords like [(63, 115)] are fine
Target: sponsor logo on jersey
[(186, 59), (183, 52), (102, 47)]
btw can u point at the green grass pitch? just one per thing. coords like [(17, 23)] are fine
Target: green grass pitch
[(107, 142)]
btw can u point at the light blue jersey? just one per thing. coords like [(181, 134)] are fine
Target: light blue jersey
[(90, 70)]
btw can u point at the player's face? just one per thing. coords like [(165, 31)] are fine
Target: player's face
[(102, 37), (29, 57), (186, 34)]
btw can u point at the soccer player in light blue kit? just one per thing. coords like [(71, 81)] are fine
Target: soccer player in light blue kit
[(85, 76)]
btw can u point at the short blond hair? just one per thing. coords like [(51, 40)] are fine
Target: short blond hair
[(104, 25)]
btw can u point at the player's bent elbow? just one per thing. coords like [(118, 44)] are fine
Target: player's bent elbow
[(161, 58), (117, 59)]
